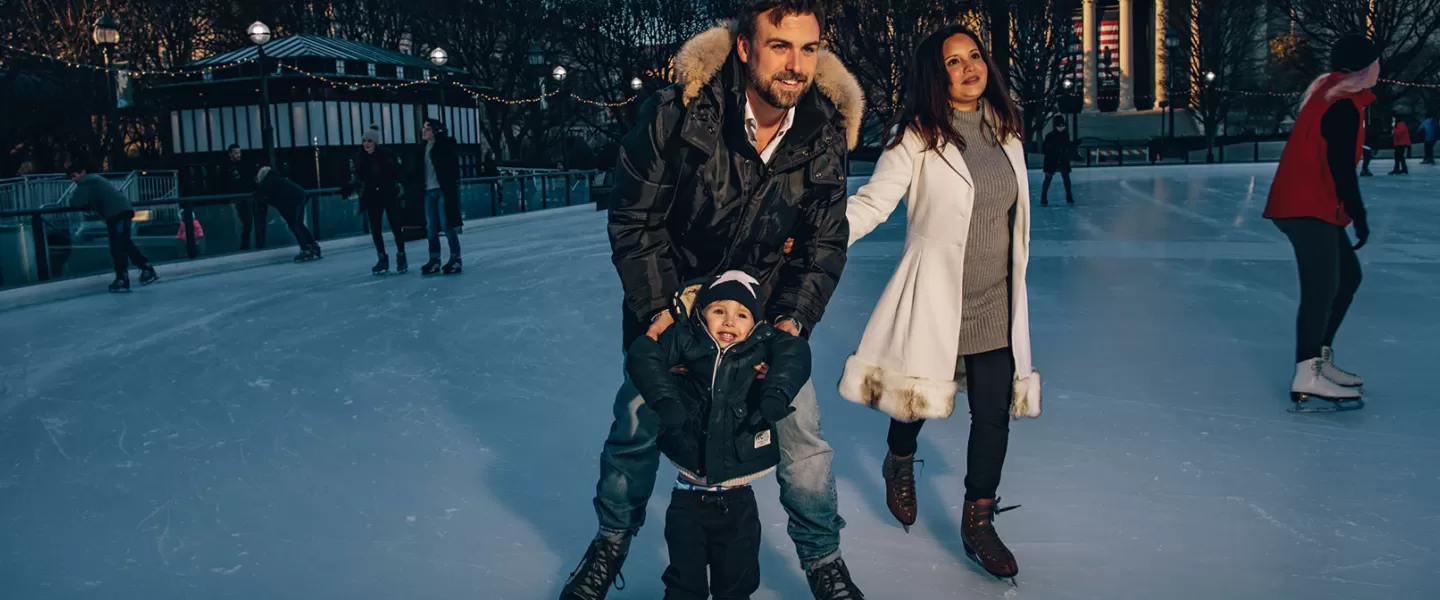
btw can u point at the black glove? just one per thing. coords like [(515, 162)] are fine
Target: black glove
[(1362, 231), (672, 413), (773, 409)]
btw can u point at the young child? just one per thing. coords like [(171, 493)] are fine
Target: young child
[(717, 418)]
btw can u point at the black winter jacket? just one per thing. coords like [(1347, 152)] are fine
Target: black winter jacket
[(234, 177), (95, 194), (377, 177), (280, 192), (446, 156), (1057, 152), (728, 415), (692, 197)]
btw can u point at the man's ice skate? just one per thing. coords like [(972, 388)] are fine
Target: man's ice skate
[(121, 284), (1336, 374), (432, 267), (148, 275), (599, 569), (402, 266), (382, 266), (831, 581), (1311, 383)]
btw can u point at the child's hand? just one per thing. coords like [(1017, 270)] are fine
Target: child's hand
[(761, 370)]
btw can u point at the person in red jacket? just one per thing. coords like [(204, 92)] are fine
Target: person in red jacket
[(1401, 135), (1315, 195)]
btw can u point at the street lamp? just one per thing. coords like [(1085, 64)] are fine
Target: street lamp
[(559, 75), (260, 35), (1172, 45), (636, 84), (1209, 110), (439, 57), (106, 34)]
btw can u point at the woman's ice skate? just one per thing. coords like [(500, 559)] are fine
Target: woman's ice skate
[(1310, 382), (1336, 374)]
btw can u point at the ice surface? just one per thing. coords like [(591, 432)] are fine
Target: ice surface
[(313, 432)]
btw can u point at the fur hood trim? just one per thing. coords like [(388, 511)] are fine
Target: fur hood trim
[(909, 399), (701, 58)]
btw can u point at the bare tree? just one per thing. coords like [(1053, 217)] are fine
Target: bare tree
[(1041, 40), (1406, 33), (875, 39), (1221, 53)]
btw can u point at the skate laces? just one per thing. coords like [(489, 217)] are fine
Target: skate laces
[(983, 520), (603, 555), (832, 582), (903, 475)]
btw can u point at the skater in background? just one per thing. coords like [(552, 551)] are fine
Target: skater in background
[(1057, 160), (1367, 154), (1429, 133), (717, 425), (95, 194), (289, 199), (235, 177), (1401, 136), (955, 153), (377, 176), (1315, 195), (441, 184)]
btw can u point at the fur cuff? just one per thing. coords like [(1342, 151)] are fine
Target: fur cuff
[(1026, 399), (906, 399)]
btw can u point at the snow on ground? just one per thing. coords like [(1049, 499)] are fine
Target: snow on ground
[(310, 431)]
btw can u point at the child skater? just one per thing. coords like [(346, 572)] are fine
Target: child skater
[(719, 380)]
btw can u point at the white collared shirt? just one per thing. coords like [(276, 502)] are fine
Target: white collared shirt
[(751, 126)]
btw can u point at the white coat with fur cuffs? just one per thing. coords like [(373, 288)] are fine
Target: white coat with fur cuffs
[(906, 364)]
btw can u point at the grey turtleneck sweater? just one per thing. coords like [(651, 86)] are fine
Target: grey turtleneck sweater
[(985, 311)]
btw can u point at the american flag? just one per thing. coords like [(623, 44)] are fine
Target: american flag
[(1109, 39)]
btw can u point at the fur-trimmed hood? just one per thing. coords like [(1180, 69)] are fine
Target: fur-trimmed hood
[(702, 58)]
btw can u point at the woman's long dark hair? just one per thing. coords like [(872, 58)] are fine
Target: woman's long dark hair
[(925, 106)]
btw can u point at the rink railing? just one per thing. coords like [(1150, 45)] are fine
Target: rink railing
[(42, 244), (1095, 152)]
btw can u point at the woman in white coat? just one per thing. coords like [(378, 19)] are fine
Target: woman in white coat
[(955, 310)]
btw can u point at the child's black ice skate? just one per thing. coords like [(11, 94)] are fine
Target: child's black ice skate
[(402, 266)]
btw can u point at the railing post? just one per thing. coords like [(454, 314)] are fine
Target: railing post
[(1257, 150), (315, 218), (567, 189), (544, 192), (42, 250), (187, 218), (523, 206), (1120, 152), (495, 198)]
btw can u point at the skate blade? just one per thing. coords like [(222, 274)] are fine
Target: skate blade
[(1298, 404)]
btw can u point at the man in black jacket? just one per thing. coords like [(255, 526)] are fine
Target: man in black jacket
[(439, 177), (235, 176), (746, 150)]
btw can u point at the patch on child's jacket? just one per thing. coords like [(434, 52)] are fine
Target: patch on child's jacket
[(762, 439)]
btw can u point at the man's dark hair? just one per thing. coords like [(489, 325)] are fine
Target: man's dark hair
[(233, 147), (750, 15)]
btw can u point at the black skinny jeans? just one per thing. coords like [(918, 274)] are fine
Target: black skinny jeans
[(1329, 276), (123, 250), (1045, 187), (378, 212), (295, 219), (990, 380), (1401, 152), (718, 532)]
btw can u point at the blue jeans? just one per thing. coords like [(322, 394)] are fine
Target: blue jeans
[(807, 485), (435, 223)]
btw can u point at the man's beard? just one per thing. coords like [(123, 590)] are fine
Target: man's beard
[(768, 88)]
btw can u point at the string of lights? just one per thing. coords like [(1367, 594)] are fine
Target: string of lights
[(354, 85), (128, 71)]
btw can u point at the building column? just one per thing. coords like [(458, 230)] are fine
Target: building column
[(1161, 61), (1092, 81), (1127, 74)]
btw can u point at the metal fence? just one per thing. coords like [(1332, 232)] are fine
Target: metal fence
[(45, 243)]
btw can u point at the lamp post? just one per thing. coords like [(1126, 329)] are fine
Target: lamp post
[(260, 35), (106, 34), (1209, 100), (1172, 44), (439, 57), (636, 85), (559, 75)]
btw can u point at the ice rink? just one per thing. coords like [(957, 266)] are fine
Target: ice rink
[(314, 432)]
